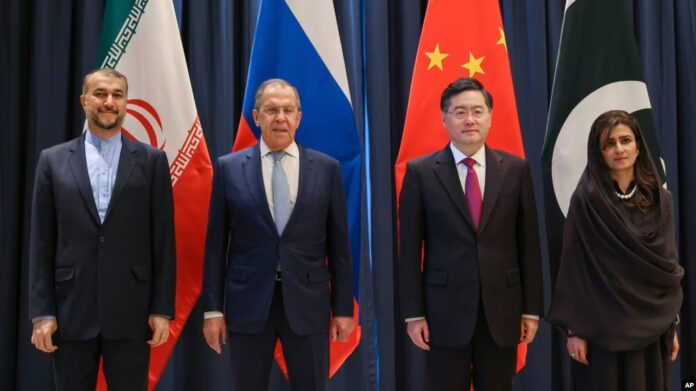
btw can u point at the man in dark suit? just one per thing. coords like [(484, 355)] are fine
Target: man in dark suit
[(469, 211), (102, 263), (277, 213)]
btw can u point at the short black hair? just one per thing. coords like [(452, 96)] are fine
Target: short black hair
[(464, 84), (104, 71)]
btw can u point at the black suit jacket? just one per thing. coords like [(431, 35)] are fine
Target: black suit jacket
[(243, 246), (499, 266), (102, 278)]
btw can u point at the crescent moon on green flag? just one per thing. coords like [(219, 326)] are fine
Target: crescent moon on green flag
[(570, 150)]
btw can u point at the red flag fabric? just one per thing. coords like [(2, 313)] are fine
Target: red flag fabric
[(460, 38)]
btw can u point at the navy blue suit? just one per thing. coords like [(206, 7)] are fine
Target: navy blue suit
[(244, 248), (102, 279)]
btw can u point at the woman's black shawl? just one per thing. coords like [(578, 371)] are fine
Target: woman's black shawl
[(618, 284)]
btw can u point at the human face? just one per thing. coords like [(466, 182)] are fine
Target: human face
[(104, 103), (620, 150), (469, 133), (278, 116)]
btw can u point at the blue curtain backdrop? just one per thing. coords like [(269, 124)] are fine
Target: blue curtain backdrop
[(47, 46)]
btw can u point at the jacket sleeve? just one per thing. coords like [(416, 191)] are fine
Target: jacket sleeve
[(163, 297), (42, 244), (411, 236)]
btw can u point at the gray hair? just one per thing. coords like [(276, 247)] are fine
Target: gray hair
[(280, 82)]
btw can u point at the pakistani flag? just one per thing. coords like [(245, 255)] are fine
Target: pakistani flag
[(141, 40), (598, 70)]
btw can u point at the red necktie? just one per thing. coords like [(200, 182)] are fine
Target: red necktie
[(473, 191)]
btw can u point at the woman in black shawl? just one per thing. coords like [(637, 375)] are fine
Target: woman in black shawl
[(618, 292)]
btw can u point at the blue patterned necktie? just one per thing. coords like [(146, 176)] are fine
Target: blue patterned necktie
[(281, 194)]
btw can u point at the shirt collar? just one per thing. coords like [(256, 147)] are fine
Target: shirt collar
[(292, 149), (98, 142), (479, 156)]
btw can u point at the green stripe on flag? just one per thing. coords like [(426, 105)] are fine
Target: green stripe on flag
[(121, 20)]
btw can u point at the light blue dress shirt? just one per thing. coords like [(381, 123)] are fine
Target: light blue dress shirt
[(102, 165)]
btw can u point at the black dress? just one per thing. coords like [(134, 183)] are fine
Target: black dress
[(646, 369), (618, 286)]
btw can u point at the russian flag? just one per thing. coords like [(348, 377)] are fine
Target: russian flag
[(298, 41)]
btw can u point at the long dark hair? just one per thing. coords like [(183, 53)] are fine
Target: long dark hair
[(644, 169)]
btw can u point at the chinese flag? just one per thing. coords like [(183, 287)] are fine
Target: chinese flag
[(460, 38)]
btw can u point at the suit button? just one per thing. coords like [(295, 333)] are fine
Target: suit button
[(102, 239)]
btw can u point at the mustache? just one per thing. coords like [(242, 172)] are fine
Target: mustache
[(113, 111)]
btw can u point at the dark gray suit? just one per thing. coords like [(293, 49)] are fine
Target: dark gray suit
[(490, 277)]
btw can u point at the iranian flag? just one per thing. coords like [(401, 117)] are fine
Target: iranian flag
[(141, 40)]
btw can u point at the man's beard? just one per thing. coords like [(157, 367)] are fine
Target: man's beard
[(108, 125)]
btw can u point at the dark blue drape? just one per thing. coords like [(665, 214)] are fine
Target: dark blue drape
[(47, 46), (685, 119), (46, 49)]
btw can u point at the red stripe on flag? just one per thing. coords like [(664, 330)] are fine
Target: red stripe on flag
[(146, 124), (458, 33), (191, 203), (521, 356), (245, 137), (148, 107), (338, 351)]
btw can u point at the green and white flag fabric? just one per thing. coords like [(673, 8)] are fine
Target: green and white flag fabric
[(598, 69), (141, 40)]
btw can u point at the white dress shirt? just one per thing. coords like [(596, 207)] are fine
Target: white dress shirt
[(480, 166)]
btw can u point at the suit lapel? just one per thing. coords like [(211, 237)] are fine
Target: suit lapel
[(254, 178), (446, 171), (78, 166), (305, 184), (495, 177), (126, 162)]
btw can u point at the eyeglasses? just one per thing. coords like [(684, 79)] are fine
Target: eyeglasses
[(275, 111), (477, 113)]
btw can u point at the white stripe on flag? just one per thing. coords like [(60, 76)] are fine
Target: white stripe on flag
[(318, 20)]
